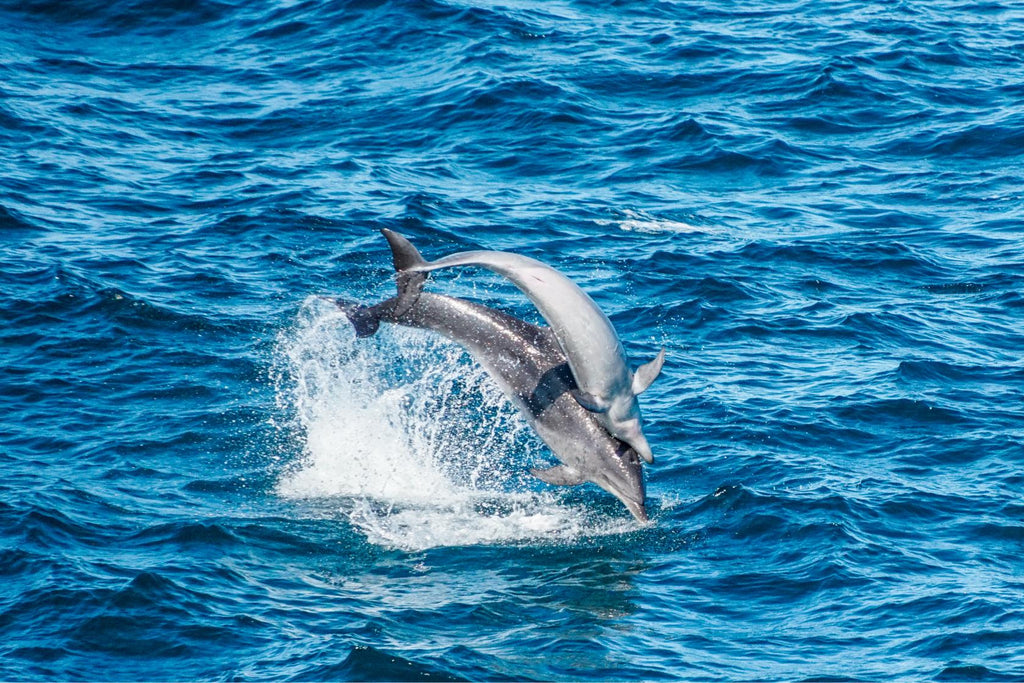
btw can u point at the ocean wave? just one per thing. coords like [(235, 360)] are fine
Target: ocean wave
[(815, 209)]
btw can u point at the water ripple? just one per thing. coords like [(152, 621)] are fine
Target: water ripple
[(815, 209)]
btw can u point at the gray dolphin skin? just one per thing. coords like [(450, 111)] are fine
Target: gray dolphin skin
[(605, 384), (530, 368)]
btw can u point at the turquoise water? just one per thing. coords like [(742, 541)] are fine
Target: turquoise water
[(817, 208)]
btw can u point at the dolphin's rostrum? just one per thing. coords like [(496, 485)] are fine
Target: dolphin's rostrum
[(528, 365)]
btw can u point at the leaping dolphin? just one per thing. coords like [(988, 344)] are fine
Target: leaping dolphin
[(605, 384), (529, 367)]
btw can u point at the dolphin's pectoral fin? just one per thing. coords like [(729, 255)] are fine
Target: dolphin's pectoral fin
[(647, 373), (559, 475), (589, 401)]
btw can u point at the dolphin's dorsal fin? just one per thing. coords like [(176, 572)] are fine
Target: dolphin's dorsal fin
[(647, 373), (559, 475)]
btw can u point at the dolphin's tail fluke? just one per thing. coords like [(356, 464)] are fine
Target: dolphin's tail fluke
[(410, 282), (365, 319), (404, 255)]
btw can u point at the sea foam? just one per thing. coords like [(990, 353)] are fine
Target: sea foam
[(413, 440)]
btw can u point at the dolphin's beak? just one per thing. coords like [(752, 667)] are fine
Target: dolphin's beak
[(629, 494), (638, 509), (626, 482), (640, 445)]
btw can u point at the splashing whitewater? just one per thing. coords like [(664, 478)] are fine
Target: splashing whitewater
[(413, 440)]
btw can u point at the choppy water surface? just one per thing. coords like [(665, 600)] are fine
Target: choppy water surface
[(818, 208)]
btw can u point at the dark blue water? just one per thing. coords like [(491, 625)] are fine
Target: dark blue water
[(818, 208)]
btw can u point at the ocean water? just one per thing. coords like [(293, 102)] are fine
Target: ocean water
[(816, 208)]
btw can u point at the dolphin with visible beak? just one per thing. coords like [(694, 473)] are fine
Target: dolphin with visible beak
[(605, 385), (530, 368)]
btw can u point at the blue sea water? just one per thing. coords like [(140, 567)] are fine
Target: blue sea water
[(817, 208)]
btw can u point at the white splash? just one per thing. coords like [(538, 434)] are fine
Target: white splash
[(413, 440), (639, 221)]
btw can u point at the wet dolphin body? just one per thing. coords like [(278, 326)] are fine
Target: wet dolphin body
[(605, 384), (528, 365)]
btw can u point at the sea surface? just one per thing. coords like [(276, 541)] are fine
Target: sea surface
[(817, 208)]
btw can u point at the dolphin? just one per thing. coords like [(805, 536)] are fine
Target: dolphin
[(529, 367), (605, 385)]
